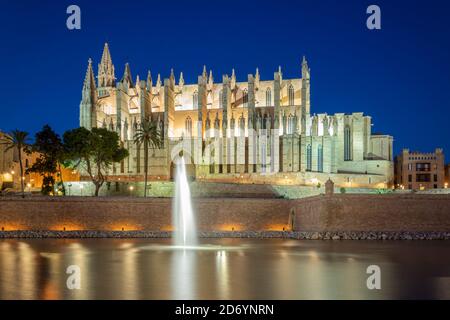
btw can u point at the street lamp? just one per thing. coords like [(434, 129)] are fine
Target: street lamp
[(69, 185), (131, 189)]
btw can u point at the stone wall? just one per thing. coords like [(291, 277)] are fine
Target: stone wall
[(358, 212), (86, 213), (340, 212)]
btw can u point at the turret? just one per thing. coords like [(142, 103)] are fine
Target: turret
[(181, 81), (305, 94), (257, 78), (149, 82), (204, 74), (158, 83), (210, 81), (277, 99), (127, 76), (305, 69), (233, 79), (172, 77)]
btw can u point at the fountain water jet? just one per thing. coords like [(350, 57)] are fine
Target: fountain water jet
[(185, 233)]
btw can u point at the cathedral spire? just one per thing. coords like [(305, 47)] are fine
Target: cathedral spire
[(89, 81), (106, 76), (106, 56), (204, 73), (88, 99)]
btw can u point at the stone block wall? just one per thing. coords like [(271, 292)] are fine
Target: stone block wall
[(336, 213), (86, 213), (358, 212)]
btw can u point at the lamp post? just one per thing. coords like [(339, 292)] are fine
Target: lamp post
[(69, 185)]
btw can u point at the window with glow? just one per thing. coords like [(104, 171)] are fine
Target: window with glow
[(268, 97), (188, 126), (195, 99), (347, 144), (320, 158), (308, 158), (291, 95)]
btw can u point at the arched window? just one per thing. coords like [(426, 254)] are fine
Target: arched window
[(221, 99), (290, 124), (188, 126), (268, 97), (308, 158), (347, 144), (195, 100), (245, 98), (291, 95), (320, 158)]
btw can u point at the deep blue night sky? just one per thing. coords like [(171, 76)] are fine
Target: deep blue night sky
[(399, 75)]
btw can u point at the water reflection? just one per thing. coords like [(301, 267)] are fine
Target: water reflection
[(183, 278), (223, 269), (222, 274)]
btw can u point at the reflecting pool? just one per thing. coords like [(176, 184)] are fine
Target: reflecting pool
[(223, 269)]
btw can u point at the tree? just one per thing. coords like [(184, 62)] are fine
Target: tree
[(97, 150), (19, 140), (148, 135), (50, 147)]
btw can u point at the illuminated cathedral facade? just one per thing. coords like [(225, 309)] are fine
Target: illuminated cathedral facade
[(257, 131)]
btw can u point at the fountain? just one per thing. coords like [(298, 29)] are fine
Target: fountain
[(185, 233)]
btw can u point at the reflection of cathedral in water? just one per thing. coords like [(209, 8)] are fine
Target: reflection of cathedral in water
[(253, 131)]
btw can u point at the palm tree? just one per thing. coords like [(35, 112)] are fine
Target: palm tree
[(19, 140), (148, 135)]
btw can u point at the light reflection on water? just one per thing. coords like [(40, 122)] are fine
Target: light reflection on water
[(223, 269)]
